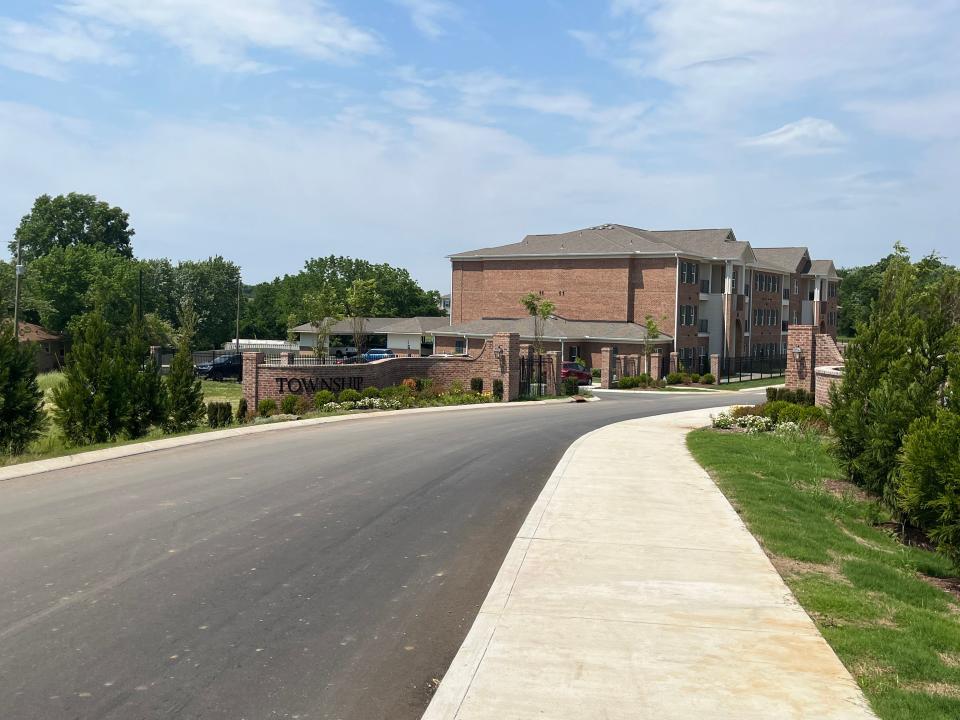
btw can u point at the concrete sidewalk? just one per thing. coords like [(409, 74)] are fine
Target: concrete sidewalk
[(633, 590)]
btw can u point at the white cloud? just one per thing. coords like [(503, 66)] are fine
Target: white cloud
[(806, 136), (408, 98), (933, 116), (428, 15), (223, 33), (47, 49)]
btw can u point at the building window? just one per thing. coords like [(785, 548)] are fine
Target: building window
[(832, 290), (688, 314), (573, 353), (796, 287), (689, 272), (796, 317), (459, 346)]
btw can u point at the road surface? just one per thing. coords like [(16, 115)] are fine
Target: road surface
[(324, 572)]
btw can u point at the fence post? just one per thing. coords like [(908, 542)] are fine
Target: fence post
[(674, 357), (554, 363), (251, 380), (506, 352), (715, 368), (286, 358)]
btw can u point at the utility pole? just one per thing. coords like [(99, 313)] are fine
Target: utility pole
[(237, 338), (16, 294)]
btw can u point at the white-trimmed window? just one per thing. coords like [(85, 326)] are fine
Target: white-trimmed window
[(689, 272)]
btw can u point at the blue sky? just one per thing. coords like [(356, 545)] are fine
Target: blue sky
[(270, 131)]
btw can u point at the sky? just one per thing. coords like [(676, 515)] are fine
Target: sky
[(400, 131)]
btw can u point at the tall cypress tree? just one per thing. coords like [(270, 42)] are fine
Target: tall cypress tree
[(22, 417), (185, 407), (146, 391), (92, 402)]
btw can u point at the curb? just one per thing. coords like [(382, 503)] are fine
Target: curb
[(36, 467)]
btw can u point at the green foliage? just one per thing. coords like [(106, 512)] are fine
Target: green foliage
[(895, 368), (929, 487), (348, 395), (772, 409), (69, 221), (242, 410), (674, 378), (798, 396), (570, 387), (498, 389), (595, 373), (288, 405), (456, 387), (219, 414), (476, 385), (324, 309), (806, 416), (322, 397), (267, 407), (185, 396), (540, 310), (22, 418), (371, 392), (695, 378), (93, 401), (707, 379), (145, 390), (363, 300)]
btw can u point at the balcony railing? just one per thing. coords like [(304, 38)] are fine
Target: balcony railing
[(786, 293), (703, 326), (705, 287)]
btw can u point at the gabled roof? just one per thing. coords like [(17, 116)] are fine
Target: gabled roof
[(786, 259), (555, 328), (823, 267), (620, 241), (30, 332), (422, 325)]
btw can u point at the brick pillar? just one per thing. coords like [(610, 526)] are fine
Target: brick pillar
[(250, 379), (674, 361), (715, 368), (507, 368), (656, 364), (800, 365), (286, 358), (554, 361), (606, 368), (634, 364)]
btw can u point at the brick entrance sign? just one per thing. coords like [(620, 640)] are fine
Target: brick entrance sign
[(498, 359), (814, 361)]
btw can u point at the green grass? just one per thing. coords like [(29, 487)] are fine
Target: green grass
[(747, 384), (225, 391), (897, 634)]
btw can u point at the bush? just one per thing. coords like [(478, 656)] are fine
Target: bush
[(219, 414), (644, 379), (798, 396), (723, 421), (370, 392), (322, 398), (570, 386), (744, 410), (456, 388), (773, 408), (628, 382), (674, 378), (807, 416), (707, 379), (304, 404), (348, 395), (498, 390), (411, 384), (423, 384), (242, 410), (930, 479), (695, 378), (267, 407), (476, 385), (22, 418), (685, 378), (595, 373), (288, 405)]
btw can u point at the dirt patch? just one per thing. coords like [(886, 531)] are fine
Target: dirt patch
[(862, 541), (908, 535), (789, 566), (949, 585), (845, 490), (950, 659), (940, 689)]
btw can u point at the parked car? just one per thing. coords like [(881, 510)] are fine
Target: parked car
[(343, 351), (378, 354), (221, 368), (576, 371)]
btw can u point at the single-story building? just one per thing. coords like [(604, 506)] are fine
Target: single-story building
[(573, 339), (51, 346), (405, 336)]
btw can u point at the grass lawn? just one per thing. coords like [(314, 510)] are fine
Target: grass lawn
[(870, 596), (747, 384)]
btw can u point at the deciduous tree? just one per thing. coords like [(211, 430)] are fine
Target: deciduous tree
[(72, 220)]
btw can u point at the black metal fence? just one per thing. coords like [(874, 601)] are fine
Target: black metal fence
[(699, 365), (536, 376), (736, 369)]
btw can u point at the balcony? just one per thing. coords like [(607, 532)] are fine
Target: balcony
[(783, 326), (705, 287), (786, 295), (703, 327)]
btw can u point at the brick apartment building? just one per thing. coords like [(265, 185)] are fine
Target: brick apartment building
[(708, 292)]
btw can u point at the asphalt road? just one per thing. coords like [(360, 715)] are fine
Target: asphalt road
[(325, 572)]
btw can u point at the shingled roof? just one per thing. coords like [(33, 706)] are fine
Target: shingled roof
[(620, 240), (555, 328), (787, 259)]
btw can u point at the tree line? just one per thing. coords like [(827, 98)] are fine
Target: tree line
[(78, 254)]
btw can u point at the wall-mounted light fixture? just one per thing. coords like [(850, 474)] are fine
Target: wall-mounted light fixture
[(498, 353)]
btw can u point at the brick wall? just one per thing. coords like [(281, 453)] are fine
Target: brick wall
[(819, 364), (826, 377), (262, 381), (653, 291)]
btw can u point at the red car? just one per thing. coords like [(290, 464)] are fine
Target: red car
[(576, 371)]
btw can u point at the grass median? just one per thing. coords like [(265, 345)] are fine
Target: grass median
[(878, 603)]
